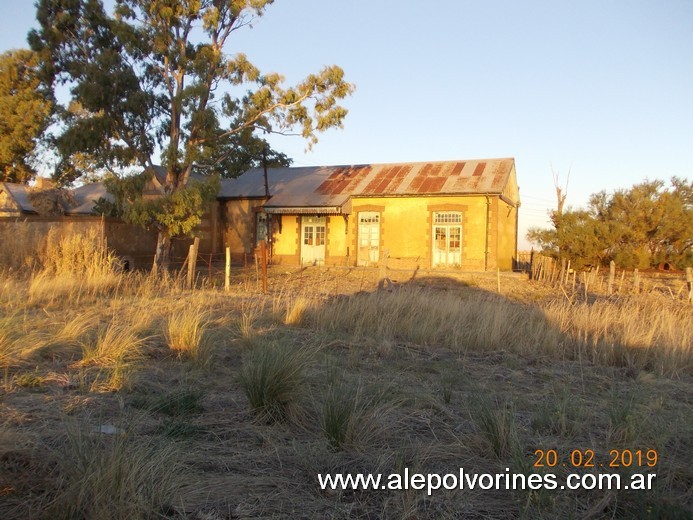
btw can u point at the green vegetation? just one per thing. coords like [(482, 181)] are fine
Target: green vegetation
[(149, 77), (640, 227), (273, 379), (25, 112)]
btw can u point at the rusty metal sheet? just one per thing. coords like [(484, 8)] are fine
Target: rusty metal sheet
[(479, 170), (457, 169), (334, 185)]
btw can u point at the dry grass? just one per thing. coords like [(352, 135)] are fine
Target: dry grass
[(273, 379), (641, 333), (114, 477), (433, 376), (187, 334)]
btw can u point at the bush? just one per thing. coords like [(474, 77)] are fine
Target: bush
[(273, 379)]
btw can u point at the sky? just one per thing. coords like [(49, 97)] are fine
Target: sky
[(602, 90)]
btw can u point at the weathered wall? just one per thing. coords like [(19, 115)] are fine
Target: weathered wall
[(285, 240), (338, 244), (507, 235), (23, 239), (406, 229), (238, 221), (133, 243)]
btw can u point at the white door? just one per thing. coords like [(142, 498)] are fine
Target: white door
[(313, 240), (369, 238), (447, 239)]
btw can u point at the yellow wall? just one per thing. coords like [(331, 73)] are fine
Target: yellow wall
[(285, 243), (507, 230), (337, 240), (405, 231), (406, 227), (8, 207)]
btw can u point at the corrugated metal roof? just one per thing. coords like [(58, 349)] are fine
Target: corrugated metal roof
[(86, 197), (334, 185), (20, 195)]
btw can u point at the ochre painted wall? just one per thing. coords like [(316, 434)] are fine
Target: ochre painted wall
[(507, 239), (337, 241), (406, 229), (8, 207), (285, 242)]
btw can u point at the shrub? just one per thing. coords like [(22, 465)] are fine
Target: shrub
[(273, 379)]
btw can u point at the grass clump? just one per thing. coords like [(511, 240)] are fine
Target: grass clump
[(115, 477), (111, 357), (187, 334), (496, 424), (273, 379), (349, 415), (559, 415)]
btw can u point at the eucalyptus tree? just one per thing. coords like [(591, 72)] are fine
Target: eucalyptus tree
[(158, 77), (25, 112)]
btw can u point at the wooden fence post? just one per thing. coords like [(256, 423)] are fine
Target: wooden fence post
[(612, 275), (263, 259), (689, 282), (636, 281), (191, 265), (584, 281), (531, 264), (227, 270)]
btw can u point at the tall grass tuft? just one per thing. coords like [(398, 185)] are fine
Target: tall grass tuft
[(349, 415), (115, 478), (74, 265), (273, 379), (642, 332), (111, 356), (496, 424), (187, 334)]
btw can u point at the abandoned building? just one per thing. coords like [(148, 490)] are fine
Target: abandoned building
[(451, 215), (454, 214)]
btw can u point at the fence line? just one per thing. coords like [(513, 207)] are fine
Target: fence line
[(558, 273)]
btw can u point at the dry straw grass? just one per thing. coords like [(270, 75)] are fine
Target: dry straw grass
[(273, 378), (114, 477), (643, 332), (75, 349), (187, 334), (72, 267)]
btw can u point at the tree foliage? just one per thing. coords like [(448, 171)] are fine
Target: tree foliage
[(639, 227), (25, 112), (156, 76), (178, 211)]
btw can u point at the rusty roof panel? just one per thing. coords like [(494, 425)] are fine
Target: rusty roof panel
[(457, 169), (432, 185), (334, 185)]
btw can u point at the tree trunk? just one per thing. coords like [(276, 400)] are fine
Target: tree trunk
[(162, 257)]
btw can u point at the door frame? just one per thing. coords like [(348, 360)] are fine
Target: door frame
[(446, 220), (319, 221), (378, 223)]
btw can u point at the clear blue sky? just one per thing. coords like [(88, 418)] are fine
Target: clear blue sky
[(603, 88)]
